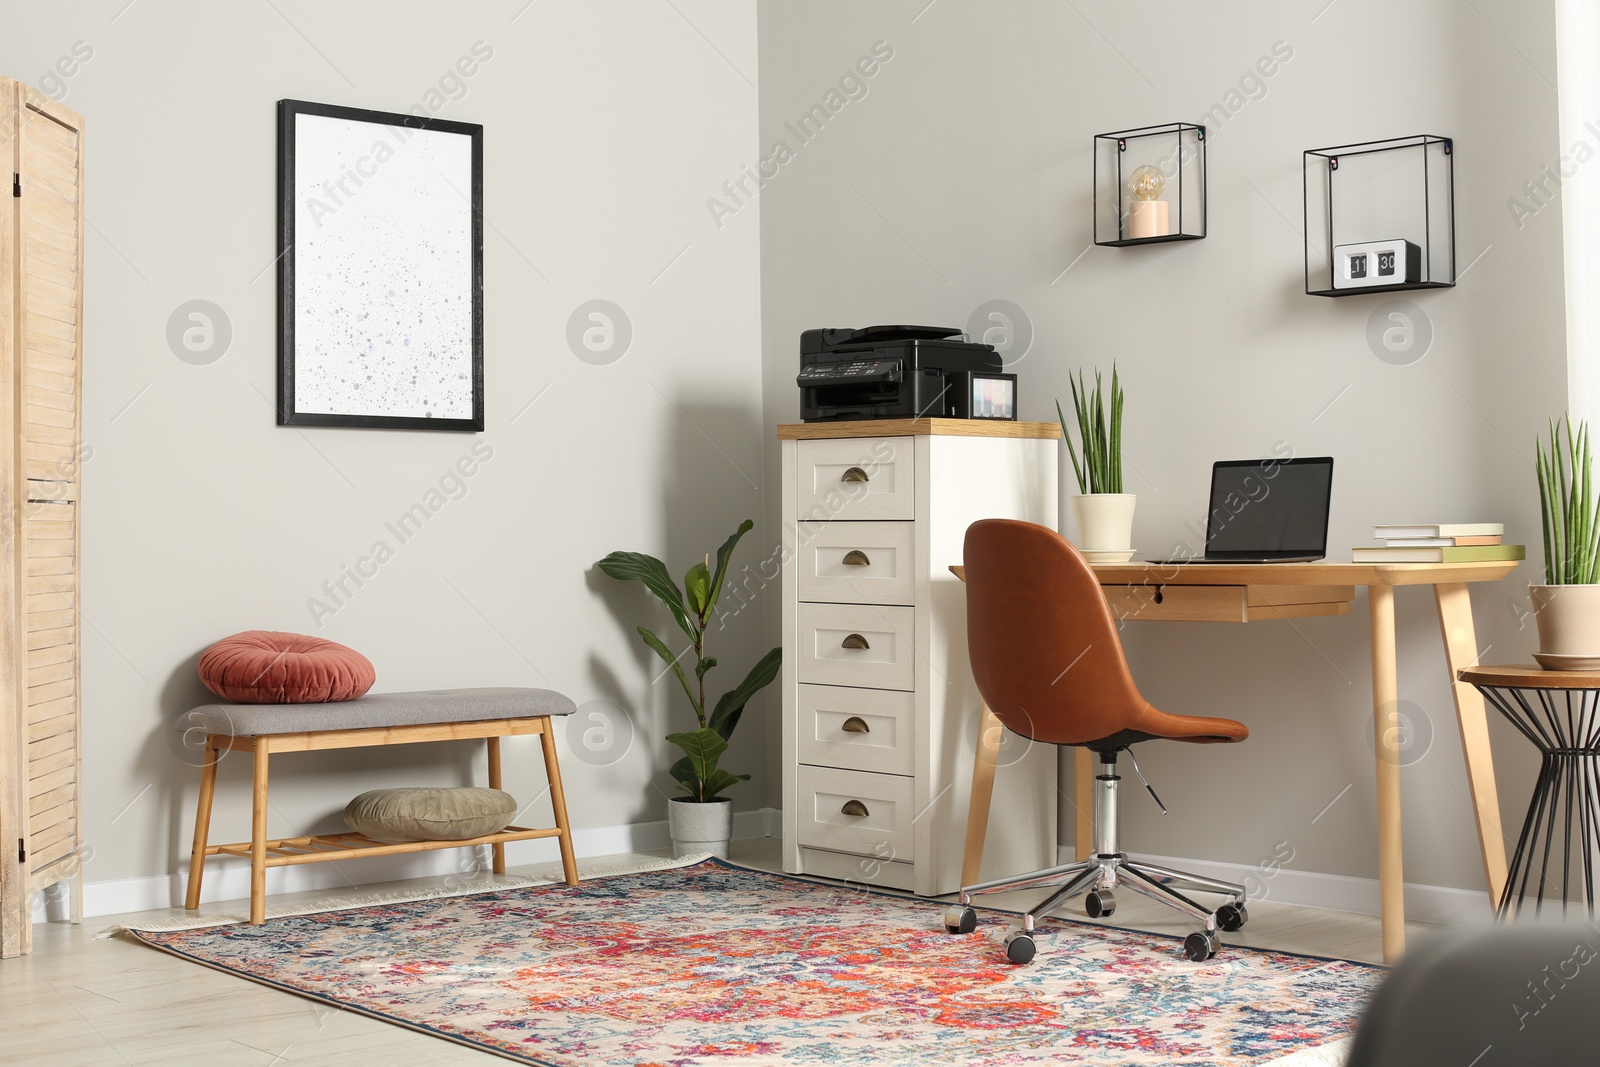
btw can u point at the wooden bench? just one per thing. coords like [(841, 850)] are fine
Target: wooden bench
[(375, 719)]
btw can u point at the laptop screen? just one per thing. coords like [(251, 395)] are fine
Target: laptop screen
[(1266, 508)]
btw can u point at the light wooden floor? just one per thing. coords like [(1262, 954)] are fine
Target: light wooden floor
[(84, 1002)]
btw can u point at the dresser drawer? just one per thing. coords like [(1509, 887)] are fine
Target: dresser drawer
[(854, 644), (856, 729), (855, 811), (858, 478), (857, 562)]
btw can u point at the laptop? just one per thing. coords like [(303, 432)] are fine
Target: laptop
[(1267, 511)]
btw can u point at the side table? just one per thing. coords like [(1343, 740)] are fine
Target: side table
[(1559, 712)]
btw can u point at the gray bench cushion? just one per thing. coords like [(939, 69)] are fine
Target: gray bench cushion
[(379, 709)]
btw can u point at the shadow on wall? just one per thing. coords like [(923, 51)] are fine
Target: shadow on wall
[(709, 475)]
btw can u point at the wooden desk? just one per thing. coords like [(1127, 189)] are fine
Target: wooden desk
[(1246, 592)]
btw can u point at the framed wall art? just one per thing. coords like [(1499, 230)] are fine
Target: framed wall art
[(380, 281)]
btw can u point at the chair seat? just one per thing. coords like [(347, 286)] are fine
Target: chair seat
[(380, 709), (1200, 729)]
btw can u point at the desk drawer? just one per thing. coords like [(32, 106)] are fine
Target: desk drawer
[(857, 562), (855, 811), (849, 644), (1178, 603), (1225, 603), (858, 478), (856, 729)]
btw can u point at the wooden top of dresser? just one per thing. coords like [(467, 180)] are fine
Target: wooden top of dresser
[(806, 431)]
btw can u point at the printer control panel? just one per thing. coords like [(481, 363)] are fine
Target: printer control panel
[(864, 370)]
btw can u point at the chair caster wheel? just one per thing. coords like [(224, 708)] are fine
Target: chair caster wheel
[(1200, 947), (960, 919), (1020, 947), (1231, 917), (1099, 903)]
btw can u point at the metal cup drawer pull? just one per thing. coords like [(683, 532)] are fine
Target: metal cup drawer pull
[(855, 724), (854, 807), (856, 558), (854, 641), (854, 474)]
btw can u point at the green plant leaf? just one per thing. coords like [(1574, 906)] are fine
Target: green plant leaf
[(682, 772), (697, 589), (724, 554), (665, 653), (1066, 435), (728, 710), (702, 749), (717, 781), (641, 567)]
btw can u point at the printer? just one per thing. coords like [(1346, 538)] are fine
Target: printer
[(901, 372)]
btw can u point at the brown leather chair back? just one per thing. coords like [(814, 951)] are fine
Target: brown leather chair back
[(1041, 638)]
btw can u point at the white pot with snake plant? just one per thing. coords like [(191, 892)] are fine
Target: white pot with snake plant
[(701, 821), (1567, 608), (1102, 513)]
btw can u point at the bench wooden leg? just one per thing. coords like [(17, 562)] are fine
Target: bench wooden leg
[(202, 824), (558, 803), (498, 850), (258, 836)]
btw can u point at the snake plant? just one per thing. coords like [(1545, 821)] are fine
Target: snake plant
[(1567, 507), (1101, 435)]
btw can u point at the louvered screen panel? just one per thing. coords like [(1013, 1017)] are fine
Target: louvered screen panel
[(48, 401)]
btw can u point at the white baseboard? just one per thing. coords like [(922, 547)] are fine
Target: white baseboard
[(1426, 903), (228, 878)]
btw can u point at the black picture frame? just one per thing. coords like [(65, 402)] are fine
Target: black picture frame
[(292, 362)]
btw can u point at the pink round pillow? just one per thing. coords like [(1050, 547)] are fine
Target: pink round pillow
[(268, 667)]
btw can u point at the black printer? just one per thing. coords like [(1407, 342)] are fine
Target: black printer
[(901, 372)]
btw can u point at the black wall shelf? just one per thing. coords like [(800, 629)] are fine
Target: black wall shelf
[(1178, 151), (1400, 189)]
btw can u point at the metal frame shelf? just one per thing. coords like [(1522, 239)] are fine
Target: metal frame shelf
[(1438, 242)]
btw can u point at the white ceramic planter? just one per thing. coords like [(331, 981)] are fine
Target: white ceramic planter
[(1568, 618), (698, 828), (1104, 522)]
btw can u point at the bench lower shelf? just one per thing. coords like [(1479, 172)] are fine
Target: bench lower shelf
[(325, 848)]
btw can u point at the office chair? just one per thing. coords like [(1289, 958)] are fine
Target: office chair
[(1047, 661)]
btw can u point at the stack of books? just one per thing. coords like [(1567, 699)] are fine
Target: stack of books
[(1450, 542)]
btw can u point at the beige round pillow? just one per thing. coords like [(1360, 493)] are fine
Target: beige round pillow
[(429, 814)]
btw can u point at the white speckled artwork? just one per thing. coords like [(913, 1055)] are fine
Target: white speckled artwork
[(383, 270)]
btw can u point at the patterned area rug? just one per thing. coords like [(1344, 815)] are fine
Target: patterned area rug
[(711, 962)]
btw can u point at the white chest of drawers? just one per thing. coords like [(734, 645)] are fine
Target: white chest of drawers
[(880, 713)]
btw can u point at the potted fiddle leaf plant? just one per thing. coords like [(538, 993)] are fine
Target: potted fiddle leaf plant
[(702, 819), (1567, 607), (1102, 512)]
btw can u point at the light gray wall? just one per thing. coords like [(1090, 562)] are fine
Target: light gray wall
[(607, 126), (963, 175)]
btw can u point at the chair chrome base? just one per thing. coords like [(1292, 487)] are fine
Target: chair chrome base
[(1097, 878)]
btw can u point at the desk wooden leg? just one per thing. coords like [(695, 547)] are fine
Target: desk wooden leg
[(258, 836), (983, 764), (1385, 697), (1083, 773), (498, 850), (1461, 652), (202, 824)]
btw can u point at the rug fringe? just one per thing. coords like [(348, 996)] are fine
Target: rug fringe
[(1333, 1054), (398, 896)]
